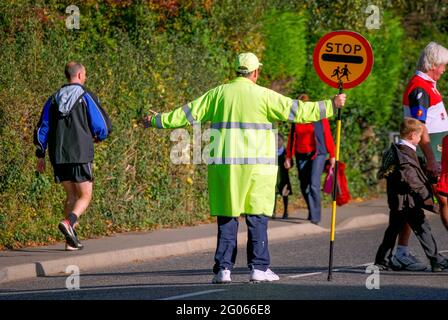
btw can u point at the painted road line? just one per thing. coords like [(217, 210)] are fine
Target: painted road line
[(92, 288), (193, 294), (335, 270), (305, 275)]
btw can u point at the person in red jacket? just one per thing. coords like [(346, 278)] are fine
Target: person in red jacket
[(310, 143)]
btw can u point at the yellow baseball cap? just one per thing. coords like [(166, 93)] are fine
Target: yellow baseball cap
[(247, 62)]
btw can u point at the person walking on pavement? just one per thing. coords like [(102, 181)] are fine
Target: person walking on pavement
[(242, 168), (310, 143), (408, 192), (71, 120), (422, 101)]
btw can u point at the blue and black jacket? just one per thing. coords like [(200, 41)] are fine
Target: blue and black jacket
[(71, 119)]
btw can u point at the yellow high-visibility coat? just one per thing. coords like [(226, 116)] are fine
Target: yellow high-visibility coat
[(242, 168)]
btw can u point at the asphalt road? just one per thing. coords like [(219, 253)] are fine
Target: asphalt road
[(302, 265)]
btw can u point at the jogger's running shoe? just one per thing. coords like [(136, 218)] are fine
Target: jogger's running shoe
[(80, 246), (70, 248), (69, 234)]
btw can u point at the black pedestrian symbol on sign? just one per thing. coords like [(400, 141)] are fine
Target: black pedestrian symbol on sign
[(340, 73), (336, 73), (345, 73)]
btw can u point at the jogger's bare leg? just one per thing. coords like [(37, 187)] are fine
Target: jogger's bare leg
[(71, 197), (84, 194)]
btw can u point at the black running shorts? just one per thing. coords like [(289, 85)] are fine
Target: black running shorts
[(75, 172)]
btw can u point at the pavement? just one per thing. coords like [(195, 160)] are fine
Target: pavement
[(134, 247)]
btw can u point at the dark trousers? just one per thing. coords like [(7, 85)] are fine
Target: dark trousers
[(310, 172), (416, 219), (257, 243)]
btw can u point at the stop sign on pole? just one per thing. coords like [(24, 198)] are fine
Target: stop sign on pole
[(343, 55), (342, 59)]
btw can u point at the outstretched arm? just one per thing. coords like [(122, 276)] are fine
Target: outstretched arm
[(197, 111), (282, 108)]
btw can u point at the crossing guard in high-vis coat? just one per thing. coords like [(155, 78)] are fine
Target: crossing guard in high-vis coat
[(242, 169)]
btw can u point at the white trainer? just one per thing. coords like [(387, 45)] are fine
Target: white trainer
[(223, 276), (261, 276), (407, 262), (70, 248)]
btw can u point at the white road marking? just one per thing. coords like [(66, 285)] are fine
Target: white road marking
[(192, 294), (63, 290), (302, 275), (13, 293), (364, 265), (305, 275)]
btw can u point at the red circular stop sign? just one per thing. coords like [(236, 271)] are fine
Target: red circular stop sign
[(344, 56)]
